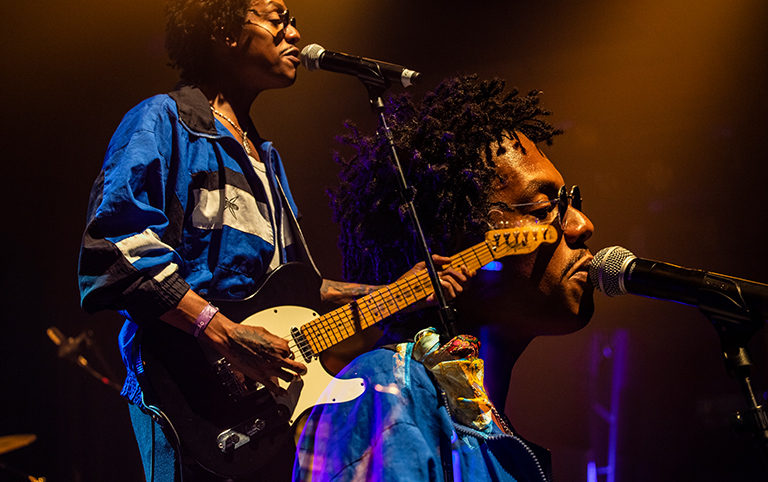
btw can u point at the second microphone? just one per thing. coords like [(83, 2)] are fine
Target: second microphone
[(315, 57)]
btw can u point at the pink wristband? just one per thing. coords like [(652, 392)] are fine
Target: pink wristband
[(204, 318)]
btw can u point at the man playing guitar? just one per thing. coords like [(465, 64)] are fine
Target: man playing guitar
[(192, 205)]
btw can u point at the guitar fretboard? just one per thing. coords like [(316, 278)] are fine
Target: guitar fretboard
[(343, 322)]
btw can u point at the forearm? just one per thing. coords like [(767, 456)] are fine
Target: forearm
[(186, 312), (341, 293), (184, 317)]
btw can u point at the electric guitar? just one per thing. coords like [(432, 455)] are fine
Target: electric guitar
[(233, 426)]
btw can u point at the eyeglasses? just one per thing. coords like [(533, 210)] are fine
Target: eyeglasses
[(279, 22), (544, 212)]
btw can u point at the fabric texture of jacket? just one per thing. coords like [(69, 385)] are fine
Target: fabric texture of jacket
[(400, 429), (178, 206)]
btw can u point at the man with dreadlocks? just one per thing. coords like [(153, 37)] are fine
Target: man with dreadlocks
[(470, 151), (192, 205)]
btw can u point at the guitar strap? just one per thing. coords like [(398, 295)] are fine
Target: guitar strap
[(299, 248)]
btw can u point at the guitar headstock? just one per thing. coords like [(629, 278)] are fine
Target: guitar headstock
[(519, 240)]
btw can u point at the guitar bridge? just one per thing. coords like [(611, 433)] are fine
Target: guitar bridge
[(302, 344), (238, 387)]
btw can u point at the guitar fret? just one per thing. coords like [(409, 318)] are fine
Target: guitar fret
[(337, 320), (344, 322), (380, 307), (487, 251), (330, 337), (371, 311), (405, 288), (318, 336), (402, 294), (424, 286), (308, 331), (393, 295), (345, 319), (476, 255), (364, 307), (458, 262)]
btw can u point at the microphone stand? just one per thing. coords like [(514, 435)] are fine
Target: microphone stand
[(377, 84), (70, 349), (736, 324)]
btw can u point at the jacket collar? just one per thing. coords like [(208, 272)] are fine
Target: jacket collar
[(194, 109)]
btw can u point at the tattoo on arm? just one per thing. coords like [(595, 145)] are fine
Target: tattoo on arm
[(340, 293)]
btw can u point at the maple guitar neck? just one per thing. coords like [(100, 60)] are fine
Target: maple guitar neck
[(341, 323)]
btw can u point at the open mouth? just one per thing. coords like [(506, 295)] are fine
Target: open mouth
[(580, 270)]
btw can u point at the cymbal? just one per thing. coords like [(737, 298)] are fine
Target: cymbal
[(13, 442)]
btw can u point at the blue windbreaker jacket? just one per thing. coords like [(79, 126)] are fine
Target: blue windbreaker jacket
[(178, 206)]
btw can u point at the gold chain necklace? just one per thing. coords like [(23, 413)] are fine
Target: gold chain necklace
[(243, 133)]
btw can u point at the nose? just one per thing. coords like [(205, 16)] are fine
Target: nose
[(292, 34), (578, 227)]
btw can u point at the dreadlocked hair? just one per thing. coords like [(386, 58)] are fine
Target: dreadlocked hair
[(193, 26), (445, 148)]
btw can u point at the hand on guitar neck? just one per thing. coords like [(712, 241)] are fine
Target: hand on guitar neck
[(251, 350), (453, 280)]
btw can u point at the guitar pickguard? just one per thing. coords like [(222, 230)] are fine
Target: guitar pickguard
[(279, 321)]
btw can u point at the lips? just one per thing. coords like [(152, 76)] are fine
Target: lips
[(580, 269), (292, 54)]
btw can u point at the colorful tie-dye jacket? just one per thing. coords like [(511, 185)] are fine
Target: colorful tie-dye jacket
[(394, 430)]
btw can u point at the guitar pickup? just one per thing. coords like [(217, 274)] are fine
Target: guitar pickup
[(233, 438), (302, 344)]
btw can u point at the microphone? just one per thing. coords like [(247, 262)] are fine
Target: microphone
[(616, 271), (314, 57), (68, 347)]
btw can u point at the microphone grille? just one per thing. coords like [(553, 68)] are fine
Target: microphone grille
[(310, 56), (606, 270)]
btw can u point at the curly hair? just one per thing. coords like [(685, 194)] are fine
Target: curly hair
[(445, 148), (193, 26)]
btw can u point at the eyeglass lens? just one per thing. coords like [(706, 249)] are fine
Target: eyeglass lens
[(563, 199), (285, 19)]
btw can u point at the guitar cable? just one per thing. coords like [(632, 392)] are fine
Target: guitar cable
[(161, 419)]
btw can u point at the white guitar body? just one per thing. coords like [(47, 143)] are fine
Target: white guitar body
[(279, 321)]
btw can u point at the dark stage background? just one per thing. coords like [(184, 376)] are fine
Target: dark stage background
[(665, 109)]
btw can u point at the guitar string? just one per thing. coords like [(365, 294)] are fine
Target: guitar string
[(318, 330), (384, 306), (344, 320), (456, 262)]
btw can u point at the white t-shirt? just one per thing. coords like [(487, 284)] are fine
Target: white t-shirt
[(285, 231)]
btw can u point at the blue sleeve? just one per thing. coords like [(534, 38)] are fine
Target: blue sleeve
[(390, 433), (279, 170), (125, 262)]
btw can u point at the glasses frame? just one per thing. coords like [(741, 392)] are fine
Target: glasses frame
[(285, 18), (561, 202)]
